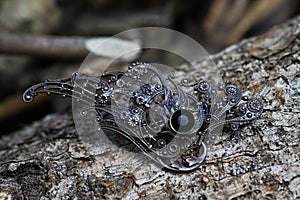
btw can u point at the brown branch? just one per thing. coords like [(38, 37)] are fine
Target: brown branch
[(41, 45)]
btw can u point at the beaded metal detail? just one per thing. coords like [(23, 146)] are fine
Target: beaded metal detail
[(168, 119)]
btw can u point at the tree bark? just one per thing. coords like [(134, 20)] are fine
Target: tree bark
[(261, 161)]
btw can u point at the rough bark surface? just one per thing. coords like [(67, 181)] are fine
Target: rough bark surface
[(47, 160)]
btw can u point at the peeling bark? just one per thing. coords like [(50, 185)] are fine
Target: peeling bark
[(47, 160)]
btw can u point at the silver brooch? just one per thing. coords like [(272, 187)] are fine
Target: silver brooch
[(168, 118)]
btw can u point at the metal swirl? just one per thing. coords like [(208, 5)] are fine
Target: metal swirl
[(166, 120)]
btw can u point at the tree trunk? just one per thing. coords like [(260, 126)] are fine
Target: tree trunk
[(47, 160)]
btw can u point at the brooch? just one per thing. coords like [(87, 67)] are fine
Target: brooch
[(168, 118)]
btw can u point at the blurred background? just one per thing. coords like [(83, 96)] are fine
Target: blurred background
[(34, 57)]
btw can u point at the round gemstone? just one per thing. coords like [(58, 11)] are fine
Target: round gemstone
[(182, 121)]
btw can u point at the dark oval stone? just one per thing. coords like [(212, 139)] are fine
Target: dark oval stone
[(182, 121)]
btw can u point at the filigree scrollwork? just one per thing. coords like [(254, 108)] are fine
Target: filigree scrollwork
[(166, 120)]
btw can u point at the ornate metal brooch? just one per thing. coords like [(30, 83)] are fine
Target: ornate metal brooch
[(168, 118)]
